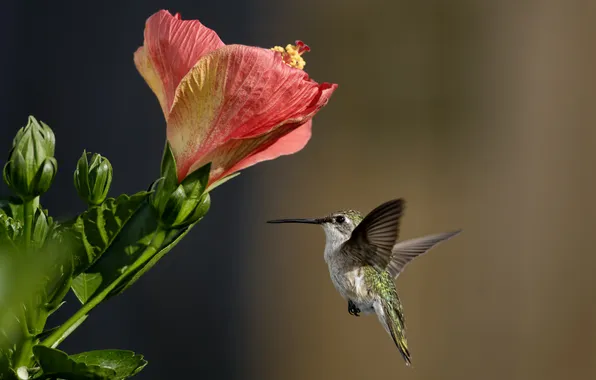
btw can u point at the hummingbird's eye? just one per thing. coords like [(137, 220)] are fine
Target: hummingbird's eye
[(340, 219)]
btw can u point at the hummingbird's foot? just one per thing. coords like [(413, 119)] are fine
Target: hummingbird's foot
[(352, 309)]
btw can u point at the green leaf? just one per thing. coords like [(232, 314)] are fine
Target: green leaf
[(85, 285), (57, 364), (95, 230), (124, 363), (58, 270), (133, 238), (13, 207), (10, 229), (174, 236), (132, 241), (91, 365)]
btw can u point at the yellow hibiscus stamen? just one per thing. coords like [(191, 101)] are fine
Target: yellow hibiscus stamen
[(292, 54)]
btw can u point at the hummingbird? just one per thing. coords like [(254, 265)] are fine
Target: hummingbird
[(364, 258)]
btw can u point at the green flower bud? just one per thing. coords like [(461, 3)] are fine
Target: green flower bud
[(41, 226), (186, 203), (31, 167), (182, 210), (93, 177), (40, 132)]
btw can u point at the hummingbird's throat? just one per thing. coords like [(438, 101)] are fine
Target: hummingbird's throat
[(292, 54)]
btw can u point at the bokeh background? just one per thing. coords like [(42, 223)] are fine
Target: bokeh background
[(479, 113)]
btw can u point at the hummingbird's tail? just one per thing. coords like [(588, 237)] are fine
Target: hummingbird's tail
[(391, 315)]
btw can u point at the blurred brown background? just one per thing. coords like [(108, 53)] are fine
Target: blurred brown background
[(482, 116)]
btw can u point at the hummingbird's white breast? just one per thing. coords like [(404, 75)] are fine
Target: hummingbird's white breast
[(347, 277)]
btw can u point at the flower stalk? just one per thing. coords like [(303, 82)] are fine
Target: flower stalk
[(23, 352), (29, 207), (55, 337)]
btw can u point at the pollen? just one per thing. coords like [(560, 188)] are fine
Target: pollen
[(292, 54)]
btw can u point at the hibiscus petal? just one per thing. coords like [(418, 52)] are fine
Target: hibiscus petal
[(239, 93), (290, 143), (236, 155), (172, 46)]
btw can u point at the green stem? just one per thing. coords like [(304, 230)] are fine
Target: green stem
[(29, 207), (23, 351), (148, 253)]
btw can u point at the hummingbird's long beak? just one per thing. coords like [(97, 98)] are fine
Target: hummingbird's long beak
[(307, 221)]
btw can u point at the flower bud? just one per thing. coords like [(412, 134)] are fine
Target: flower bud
[(31, 167), (182, 210), (92, 178), (186, 203), (41, 226)]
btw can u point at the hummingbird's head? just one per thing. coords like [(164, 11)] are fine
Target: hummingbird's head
[(338, 226)]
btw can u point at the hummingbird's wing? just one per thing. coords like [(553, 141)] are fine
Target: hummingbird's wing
[(405, 251), (373, 239)]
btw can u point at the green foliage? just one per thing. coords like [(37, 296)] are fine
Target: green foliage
[(37, 278), (10, 228), (134, 241), (133, 238), (124, 363), (98, 254), (13, 207), (85, 285), (59, 275), (57, 364), (95, 229), (95, 365)]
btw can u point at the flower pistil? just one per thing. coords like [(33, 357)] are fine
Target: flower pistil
[(292, 54)]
